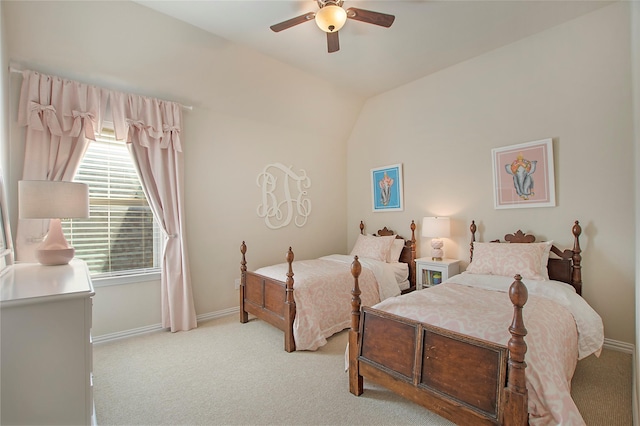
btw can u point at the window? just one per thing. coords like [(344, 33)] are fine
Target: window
[(121, 237)]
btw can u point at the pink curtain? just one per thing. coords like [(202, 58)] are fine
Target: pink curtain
[(62, 116), (153, 137)]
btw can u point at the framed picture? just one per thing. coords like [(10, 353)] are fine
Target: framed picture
[(386, 188), (523, 175)]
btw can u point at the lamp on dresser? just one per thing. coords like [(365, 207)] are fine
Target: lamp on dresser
[(55, 200), (436, 228)]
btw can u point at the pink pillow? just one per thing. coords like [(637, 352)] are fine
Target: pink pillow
[(373, 247), (395, 251), (507, 259)]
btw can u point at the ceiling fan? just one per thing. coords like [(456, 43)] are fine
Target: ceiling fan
[(331, 17)]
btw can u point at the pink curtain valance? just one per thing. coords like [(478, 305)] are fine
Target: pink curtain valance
[(64, 107), (150, 119), (69, 108)]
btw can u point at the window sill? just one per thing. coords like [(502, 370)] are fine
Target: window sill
[(107, 281)]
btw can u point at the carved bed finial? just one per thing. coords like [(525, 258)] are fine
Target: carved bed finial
[(244, 315), (576, 276), (290, 305), (356, 382), (473, 229), (516, 390), (243, 263), (289, 281), (356, 269)]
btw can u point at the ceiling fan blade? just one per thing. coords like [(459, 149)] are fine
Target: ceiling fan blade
[(292, 22), (333, 42), (370, 17)]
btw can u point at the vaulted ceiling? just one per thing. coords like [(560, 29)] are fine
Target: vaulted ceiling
[(426, 36)]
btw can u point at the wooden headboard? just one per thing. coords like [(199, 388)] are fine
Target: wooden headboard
[(408, 254), (565, 266)]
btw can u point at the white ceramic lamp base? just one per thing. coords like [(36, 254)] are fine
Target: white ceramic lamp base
[(436, 249), (55, 250)]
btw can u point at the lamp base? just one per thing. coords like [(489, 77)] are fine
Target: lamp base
[(52, 257), (55, 250), (436, 249)]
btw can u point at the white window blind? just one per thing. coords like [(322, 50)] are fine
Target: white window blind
[(121, 236)]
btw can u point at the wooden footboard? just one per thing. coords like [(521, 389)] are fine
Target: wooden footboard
[(268, 299), (464, 379)]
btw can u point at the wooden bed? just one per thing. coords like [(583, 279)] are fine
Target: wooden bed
[(273, 301), (429, 365)]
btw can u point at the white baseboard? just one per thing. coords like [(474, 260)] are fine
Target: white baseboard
[(219, 314), (126, 333), (619, 346), (158, 327)]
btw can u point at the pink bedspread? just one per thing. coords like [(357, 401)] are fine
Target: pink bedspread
[(552, 338), (322, 292)]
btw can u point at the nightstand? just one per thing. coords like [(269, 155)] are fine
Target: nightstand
[(433, 272)]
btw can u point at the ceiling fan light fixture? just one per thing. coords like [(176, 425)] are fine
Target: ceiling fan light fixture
[(331, 18)]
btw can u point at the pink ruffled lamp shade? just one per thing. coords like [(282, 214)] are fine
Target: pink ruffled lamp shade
[(43, 199)]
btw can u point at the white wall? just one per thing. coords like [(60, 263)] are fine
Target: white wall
[(571, 83), (249, 111)]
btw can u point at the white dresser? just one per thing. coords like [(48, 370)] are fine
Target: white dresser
[(45, 349)]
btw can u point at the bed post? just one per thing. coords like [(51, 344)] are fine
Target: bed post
[(473, 229), (362, 227), (412, 265), (515, 394), (244, 316), (576, 271), (290, 307), (355, 379)]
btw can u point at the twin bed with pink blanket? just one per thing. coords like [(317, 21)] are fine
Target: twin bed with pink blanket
[(316, 304), (459, 348)]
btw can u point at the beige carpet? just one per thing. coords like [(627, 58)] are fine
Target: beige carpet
[(601, 388), (225, 373)]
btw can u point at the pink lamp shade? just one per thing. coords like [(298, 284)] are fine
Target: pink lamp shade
[(43, 199), (436, 228)]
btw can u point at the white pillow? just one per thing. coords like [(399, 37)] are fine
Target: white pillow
[(507, 259), (395, 251), (373, 247)]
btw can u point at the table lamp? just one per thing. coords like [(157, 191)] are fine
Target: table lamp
[(436, 228), (43, 199)]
